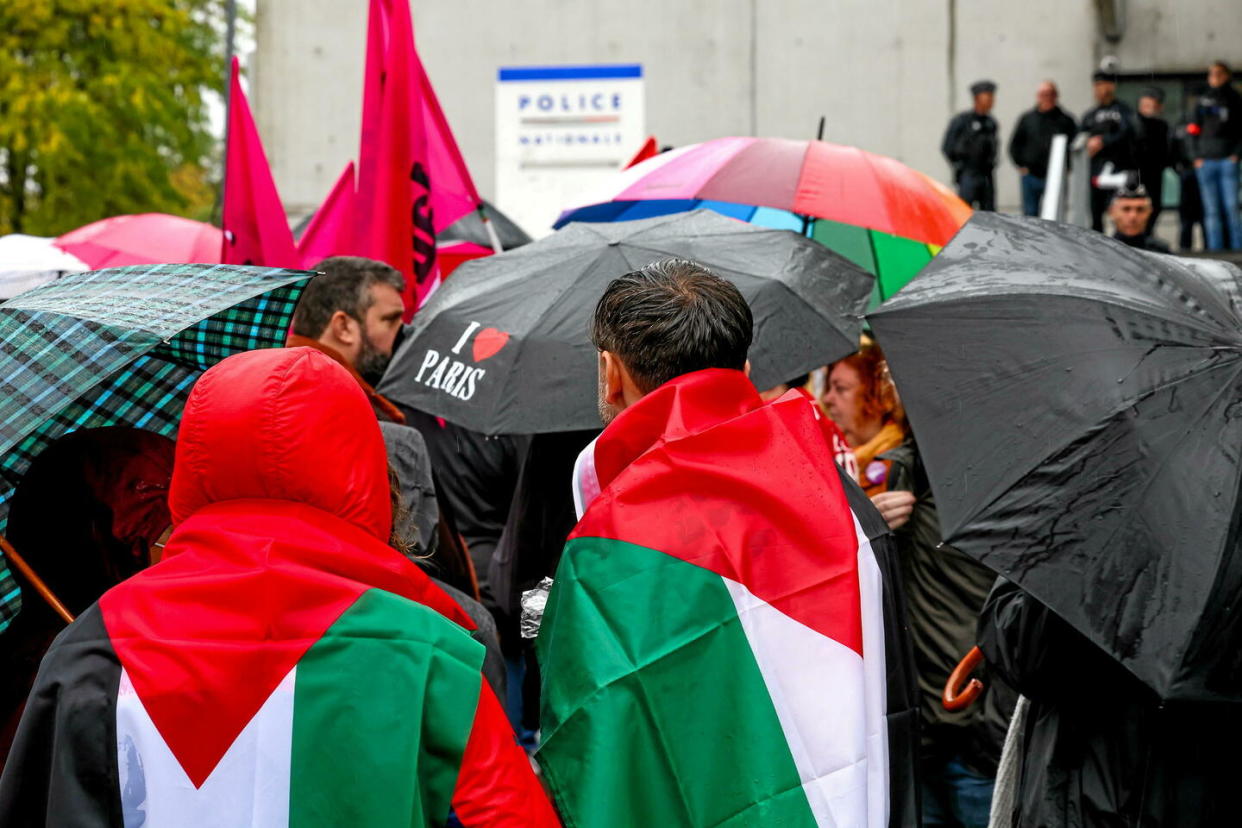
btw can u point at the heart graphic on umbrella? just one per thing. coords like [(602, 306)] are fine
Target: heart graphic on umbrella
[(488, 343)]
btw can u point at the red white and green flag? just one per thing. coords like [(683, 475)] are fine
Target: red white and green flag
[(715, 649), (313, 681)]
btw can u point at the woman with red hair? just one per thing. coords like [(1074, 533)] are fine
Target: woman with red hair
[(861, 399)]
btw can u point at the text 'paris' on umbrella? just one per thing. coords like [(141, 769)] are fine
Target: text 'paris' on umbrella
[(503, 347), (1078, 404)]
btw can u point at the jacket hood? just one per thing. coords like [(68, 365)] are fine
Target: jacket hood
[(283, 424)]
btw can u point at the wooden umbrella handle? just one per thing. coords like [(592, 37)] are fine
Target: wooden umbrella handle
[(45, 592), (956, 697)]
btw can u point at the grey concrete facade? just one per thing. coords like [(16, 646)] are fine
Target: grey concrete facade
[(887, 74)]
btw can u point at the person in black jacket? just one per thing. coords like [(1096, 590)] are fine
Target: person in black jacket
[(1217, 130), (1110, 125), (1100, 749), (1032, 142), (1189, 205), (944, 590), (1152, 149), (970, 144)]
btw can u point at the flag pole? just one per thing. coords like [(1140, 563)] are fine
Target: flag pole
[(230, 33), (491, 230)]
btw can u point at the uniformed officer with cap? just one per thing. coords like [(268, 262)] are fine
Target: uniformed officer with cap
[(1110, 127), (970, 144), (1130, 209)]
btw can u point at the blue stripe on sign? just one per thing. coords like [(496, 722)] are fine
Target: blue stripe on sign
[(592, 72)]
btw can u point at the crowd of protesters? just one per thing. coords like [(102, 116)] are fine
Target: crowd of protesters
[(292, 465), (1125, 148)]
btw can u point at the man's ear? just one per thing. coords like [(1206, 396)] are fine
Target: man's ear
[(614, 376), (344, 328), (746, 368)]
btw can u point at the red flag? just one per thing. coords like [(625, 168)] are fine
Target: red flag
[(649, 149), (412, 180), (255, 229), (331, 230)]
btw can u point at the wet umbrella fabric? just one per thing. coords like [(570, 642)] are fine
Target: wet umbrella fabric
[(146, 238), (469, 228), (122, 347), (880, 214), (1079, 405), (503, 347)]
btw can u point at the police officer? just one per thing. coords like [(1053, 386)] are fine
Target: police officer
[(1109, 126), (970, 143), (1130, 209)]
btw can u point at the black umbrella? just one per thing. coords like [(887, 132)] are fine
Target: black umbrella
[(1079, 408), (469, 228), (502, 347)]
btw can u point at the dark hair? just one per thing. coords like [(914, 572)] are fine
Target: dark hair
[(1222, 65), (344, 284), (670, 318)]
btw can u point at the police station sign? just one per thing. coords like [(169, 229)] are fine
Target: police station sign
[(560, 132)]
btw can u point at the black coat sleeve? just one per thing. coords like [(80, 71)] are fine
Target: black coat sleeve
[(62, 769), (1019, 143), (951, 145)]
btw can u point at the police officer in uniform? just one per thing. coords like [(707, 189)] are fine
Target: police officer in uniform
[(1130, 209), (1109, 126), (970, 143)]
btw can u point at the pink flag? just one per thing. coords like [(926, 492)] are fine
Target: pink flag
[(331, 230), (412, 180), (255, 229)]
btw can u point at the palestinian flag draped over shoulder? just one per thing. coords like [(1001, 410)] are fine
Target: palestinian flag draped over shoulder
[(722, 645), (282, 666)]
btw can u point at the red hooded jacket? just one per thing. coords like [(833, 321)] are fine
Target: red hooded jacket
[(281, 509)]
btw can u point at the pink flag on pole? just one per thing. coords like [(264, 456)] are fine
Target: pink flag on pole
[(331, 230), (255, 229), (412, 180)]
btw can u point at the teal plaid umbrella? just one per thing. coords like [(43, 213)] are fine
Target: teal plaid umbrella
[(122, 347)]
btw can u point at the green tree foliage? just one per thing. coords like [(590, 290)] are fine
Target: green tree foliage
[(102, 109)]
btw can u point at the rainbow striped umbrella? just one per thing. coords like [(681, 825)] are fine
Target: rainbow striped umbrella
[(886, 217)]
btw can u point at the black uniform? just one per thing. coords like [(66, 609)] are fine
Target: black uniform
[(1152, 153), (1146, 241), (970, 143), (1032, 138), (1114, 123)]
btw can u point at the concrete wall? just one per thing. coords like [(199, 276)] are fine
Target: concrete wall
[(886, 73)]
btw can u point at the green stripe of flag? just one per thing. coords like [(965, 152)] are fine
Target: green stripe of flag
[(386, 664), (658, 710)]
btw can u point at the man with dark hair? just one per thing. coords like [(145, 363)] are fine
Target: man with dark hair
[(352, 312), (1130, 212), (1151, 149), (1031, 143), (1110, 127), (970, 143), (723, 575), (672, 317), (1217, 144)]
